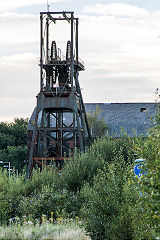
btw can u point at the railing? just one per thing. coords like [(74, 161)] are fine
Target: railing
[(81, 62), (62, 57)]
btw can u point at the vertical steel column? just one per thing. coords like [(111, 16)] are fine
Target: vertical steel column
[(83, 107), (47, 48), (74, 132), (41, 52), (72, 54), (45, 133), (59, 133), (47, 39), (57, 149), (30, 163), (62, 150), (48, 126), (77, 40), (39, 144), (79, 132)]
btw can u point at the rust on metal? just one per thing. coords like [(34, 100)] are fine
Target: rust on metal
[(58, 124)]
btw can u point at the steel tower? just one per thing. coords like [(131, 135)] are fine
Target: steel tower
[(58, 124)]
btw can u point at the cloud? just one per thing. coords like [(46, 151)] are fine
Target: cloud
[(18, 29), (19, 73), (19, 85), (8, 5), (121, 55), (117, 10), (14, 107), (21, 33)]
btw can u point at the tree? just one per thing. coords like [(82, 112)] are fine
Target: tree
[(97, 124), (13, 142)]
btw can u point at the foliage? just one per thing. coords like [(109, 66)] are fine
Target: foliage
[(11, 190), (15, 130), (82, 168), (39, 179), (50, 190), (97, 124), (120, 206), (13, 141), (61, 203), (147, 224), (98, 185), (106, 209), (37, 196), (6, 140), (66, 230)]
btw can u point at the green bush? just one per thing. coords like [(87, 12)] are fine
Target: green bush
[(39, 195), (106, 211), (147, 216), (119, 205), (62, 203), (37, 204), (50, 190), (84, 167), (46, 177), (15, 189), (11, 190)]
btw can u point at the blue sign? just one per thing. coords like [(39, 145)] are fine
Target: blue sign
[(139, 168)]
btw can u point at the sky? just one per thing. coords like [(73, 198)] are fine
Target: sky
[(119, 41)]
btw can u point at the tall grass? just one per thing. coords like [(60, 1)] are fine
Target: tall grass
[(60, 231)]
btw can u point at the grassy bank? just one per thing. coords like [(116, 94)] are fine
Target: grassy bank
[(59, 231)]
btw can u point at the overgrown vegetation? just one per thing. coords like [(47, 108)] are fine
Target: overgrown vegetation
[(52, 191), (98, 187), (13, 143), (61, 230), (147, 223)]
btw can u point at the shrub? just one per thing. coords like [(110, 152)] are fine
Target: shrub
[(106, 208), (61, 203), (147, 216), (46, 177), (84, 167), (11, 190)]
